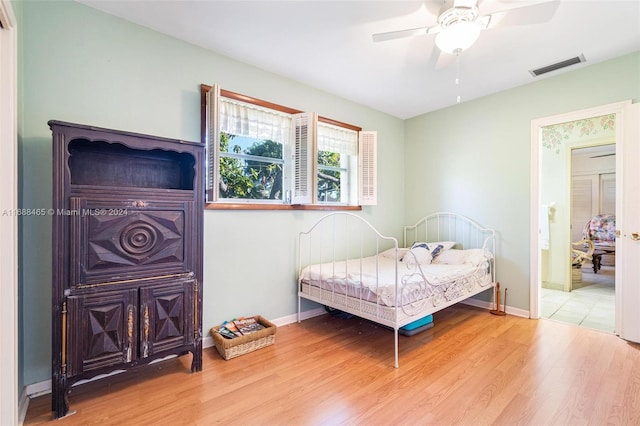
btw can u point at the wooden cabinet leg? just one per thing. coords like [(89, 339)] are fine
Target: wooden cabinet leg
[(196, 362), (60, 397)]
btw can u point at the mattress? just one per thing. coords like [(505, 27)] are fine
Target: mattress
[(373, 279)]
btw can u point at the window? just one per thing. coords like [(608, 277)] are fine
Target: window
[(337, 156), (260, 153), (252, 144), (250, 168)]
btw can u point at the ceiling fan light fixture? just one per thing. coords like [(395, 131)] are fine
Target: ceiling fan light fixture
[(458, 36)]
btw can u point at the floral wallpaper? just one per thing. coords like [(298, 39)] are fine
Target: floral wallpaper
[(588, 128)]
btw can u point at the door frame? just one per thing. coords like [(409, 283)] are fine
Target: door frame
[(616, 108), (8, 224)]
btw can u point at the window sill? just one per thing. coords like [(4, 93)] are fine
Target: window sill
[(247, 206)]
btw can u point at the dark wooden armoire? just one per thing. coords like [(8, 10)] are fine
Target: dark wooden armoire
[(127, 252)]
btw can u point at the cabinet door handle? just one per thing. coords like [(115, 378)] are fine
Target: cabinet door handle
[(145, 328), (635, 236), (63, 360), (196, 325), (130, 332)]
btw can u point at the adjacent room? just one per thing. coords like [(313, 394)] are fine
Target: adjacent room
[(467, 167), (589, 298)]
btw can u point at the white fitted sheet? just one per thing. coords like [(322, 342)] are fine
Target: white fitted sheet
[(373, 279)]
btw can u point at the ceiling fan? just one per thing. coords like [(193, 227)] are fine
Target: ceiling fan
[(459, 22)]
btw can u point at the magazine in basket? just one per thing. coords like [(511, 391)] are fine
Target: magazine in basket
[(259, 333)]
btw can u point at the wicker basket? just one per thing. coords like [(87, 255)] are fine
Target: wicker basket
[(576, 275), (231, 348)]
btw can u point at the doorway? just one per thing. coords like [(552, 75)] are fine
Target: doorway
[(551, 210), (588, 299)]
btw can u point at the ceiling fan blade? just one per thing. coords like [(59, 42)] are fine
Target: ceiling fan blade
[(484, 21), (538, 13), (488, 7), (465, 3), (434, 7), (444, 60), (392, 35)]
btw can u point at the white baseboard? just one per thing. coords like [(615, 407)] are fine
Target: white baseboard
[(31, 391), (23, 404), (207, 342), (290, 319), (489, 305)]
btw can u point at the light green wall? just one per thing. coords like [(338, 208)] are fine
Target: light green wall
[(475, 158), (83, 66), (80, 65)]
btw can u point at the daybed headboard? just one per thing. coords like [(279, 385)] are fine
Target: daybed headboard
[(444, 226), (339, 236)]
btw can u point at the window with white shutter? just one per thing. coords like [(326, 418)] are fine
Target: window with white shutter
[(212, 135), (337, 164), (368, 168), (302, 158), (608, 193), (261, 153)]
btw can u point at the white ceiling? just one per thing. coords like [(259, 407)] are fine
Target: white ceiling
[(328, 44)]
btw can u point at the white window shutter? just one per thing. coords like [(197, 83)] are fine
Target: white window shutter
[(368, 168), (304, 129), (213, 142), (608, 193)]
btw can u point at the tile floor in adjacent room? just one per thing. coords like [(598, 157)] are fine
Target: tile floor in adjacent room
[(591, 305)]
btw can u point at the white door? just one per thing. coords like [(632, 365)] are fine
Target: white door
[(629, 237)]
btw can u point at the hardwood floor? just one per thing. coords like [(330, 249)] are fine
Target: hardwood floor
[(471, 368)]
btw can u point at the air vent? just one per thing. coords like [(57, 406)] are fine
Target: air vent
[(557, 65)]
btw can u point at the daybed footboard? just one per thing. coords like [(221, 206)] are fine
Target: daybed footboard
[(346, 264)]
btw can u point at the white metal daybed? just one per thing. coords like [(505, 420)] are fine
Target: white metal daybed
[(346, 264)]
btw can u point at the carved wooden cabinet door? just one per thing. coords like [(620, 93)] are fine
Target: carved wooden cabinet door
[(102, 330), (166, 317), (115, 240)]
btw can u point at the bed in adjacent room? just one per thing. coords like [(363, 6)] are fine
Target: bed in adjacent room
[(346, 264)]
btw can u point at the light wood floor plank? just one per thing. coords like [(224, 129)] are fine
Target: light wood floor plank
[(471, 368)]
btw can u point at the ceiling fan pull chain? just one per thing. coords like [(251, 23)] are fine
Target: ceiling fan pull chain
[(458, 74)]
